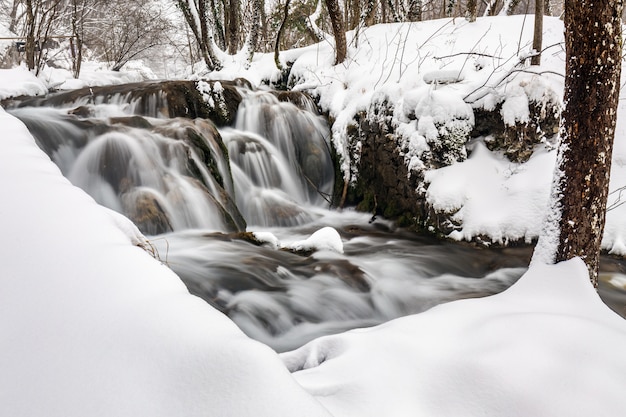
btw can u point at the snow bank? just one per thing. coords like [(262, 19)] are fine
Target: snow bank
[(20, 82), (93, 326), (545, 347)]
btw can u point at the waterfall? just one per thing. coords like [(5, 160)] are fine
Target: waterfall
[(281, 161), (273, 168), (160, 182)]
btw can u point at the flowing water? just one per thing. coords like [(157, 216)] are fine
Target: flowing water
[(194, 190)]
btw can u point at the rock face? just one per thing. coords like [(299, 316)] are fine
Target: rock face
[(394, 144), (384, 185), (214, 100)]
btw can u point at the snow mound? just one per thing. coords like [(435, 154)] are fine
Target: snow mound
[(93, 326), (20, 82), (534, 350), (327, 238)]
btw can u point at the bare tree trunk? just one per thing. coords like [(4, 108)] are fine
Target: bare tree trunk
[(233, 27), (13, 15), (538, 34), (279, 34), (338, 30), (547, 10), (76, 43), (471, 10), (29, 47), (368, 13), (253, 37), (415, 11), (593, 40), (200, 30), (219, 28), (394, 11)]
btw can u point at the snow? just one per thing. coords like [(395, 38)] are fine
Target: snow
[(19, 81), (535, 349), (327, 238), (491, 196)]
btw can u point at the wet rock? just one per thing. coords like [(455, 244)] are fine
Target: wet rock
[(145, 210), (517, 141), (180, 98)]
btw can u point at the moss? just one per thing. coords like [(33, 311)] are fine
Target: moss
[(368, 202)]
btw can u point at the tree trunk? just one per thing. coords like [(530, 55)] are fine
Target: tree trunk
[(253, 37), (29, 47), (471, 10), (338, 30), (76, 42), (538, 34), (233, 27), (13, 15), (415, 11), (219, 28), (593, 40), (547, 10), (279, 34)]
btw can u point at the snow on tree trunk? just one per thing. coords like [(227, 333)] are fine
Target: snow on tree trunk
[(253, 37), (311, 24), (593, 41)]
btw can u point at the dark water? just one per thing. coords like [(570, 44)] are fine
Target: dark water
[(172, 177)]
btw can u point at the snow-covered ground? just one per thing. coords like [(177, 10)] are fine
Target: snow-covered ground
[(92, 325)]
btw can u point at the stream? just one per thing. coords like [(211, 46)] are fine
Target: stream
[(196, 191)]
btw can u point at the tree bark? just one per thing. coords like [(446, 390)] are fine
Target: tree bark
[(593, 44), (538, 33), (29, 47), (253, 37), (279, 34), (415, 11), (471, 10), (338, 30), (233, 27)]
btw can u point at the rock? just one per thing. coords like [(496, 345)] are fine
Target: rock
[(144, 209)]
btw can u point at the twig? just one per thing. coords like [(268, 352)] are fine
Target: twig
[(467, 53)]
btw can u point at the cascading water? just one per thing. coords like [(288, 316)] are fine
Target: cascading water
[(280, 159), (189, 184), (159, 182)]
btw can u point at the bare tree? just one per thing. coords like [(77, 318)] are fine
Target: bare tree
[(593, 44), (122, 30), (40, 18), (196, 16)]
